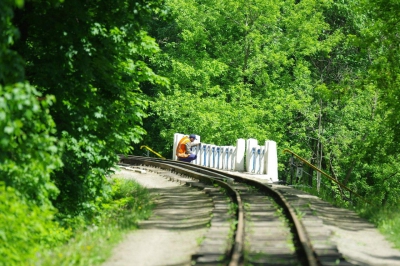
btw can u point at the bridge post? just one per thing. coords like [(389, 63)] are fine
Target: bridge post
[(251, 150), (196, 149), (209, 155), (177, 138), (220, 152), (261, 160), (239, 155), (213, 157), (203, 160), (231, 158), (271, 161)]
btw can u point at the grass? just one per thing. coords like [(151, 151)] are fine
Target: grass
[(385, 218), (92, 245)]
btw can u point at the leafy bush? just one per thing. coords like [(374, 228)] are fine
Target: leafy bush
[(92, 243), (25, 228), (28, 151), (93, 62), (28, 155)]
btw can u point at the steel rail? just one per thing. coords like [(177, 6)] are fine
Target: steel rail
[(236, 251), (305, 251)]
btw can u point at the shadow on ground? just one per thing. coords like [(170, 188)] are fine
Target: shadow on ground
[(178, 208)]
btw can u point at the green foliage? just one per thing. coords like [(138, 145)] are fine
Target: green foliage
[(298, 73), (128, 196), (237, 70), (25, 228), (386, 218), (29, 152), (29, 235), (11, 64), (241, 70), (93, 62), (379, 39), (91, 245)]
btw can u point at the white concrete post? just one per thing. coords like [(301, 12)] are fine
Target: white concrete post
[(200, 154), (220, 153), (225, 158), (213, 156), (256, 162), (239, 155), (271, 160), (265, 157), (261, 160), (251, 150), (231, 158), (208, 155), (203, 159), (255, 159), (217, 156), (177, 138), (196, 149)]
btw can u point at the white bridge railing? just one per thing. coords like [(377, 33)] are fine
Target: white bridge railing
[(246, 156)]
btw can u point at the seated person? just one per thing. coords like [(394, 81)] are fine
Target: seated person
[(183, 150)]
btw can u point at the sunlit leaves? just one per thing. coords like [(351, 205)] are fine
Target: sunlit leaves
[(29, 151), (93, 60), (293, 71), (25, 228)]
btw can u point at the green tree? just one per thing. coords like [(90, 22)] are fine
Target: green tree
[(379, 41), (292, 71), (29, 150), (92, 61), (249, 59), (29, 153)]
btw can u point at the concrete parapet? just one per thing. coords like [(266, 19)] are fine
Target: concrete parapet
[(271, 160), (246, 156)]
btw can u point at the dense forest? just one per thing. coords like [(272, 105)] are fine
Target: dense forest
[(82, 81)]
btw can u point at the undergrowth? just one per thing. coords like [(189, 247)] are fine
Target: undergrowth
[(31, 236), (92, 245), (386, 218)]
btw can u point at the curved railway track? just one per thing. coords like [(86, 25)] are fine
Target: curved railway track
[(252, 223)]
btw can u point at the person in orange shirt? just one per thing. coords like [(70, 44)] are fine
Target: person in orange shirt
[(183, 150)]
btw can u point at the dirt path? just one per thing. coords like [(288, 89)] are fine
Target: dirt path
[(173, 232), (358, 240)]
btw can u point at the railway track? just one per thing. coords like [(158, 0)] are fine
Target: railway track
[(252, 223)]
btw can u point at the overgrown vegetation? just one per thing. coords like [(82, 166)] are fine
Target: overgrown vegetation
[(26, 228), (92, 244), (387, 219), (32, 238), (70, 100)]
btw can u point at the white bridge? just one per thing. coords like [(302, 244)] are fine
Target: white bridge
[(247, 156)]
